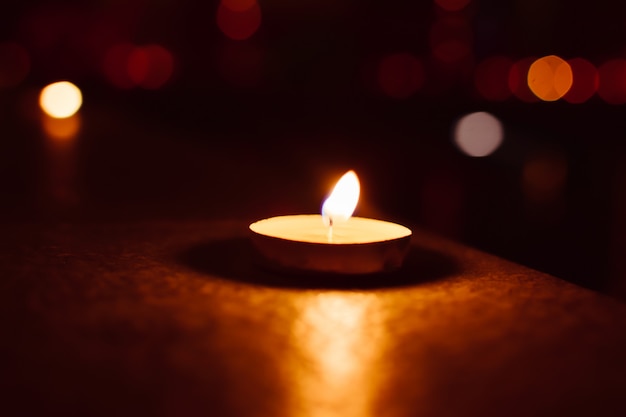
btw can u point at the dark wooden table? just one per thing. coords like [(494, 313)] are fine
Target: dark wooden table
[(175, 319)]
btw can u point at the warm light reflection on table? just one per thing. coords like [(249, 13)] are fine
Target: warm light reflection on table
[(112, 313), (336, 339)]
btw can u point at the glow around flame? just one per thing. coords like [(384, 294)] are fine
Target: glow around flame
[(341, 203)]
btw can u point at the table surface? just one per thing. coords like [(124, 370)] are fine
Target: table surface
[(175, 319)]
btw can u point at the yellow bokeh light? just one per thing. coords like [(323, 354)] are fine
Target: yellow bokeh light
[(61, 99), (550, 78)]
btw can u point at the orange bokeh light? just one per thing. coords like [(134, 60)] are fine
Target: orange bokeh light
[(491, 78), (400, 75), (612, 81), (550, 78), (585, 81), (238, 24)]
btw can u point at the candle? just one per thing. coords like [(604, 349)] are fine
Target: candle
[(333, 241)]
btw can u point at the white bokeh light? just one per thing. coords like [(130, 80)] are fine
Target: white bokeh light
[(478, 134), (61, 99)]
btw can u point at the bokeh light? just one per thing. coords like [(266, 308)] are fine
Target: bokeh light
[(127, 66), (14, 64), (400, 75), (550, 78), (60, 99), (478, 134), (452, 5), (451, 38), (491, 78), (518, 84), (238, 24), (150, 66), (585, 81), (612, 81)]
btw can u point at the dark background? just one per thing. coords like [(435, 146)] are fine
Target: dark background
[(301, 100)]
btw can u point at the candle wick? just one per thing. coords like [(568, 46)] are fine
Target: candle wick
[(330, 229)]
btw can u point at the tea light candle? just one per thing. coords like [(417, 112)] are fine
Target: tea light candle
[(333, 242)]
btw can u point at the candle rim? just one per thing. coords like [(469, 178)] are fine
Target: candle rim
[(402, 231)]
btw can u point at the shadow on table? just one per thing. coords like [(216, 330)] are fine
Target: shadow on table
[(236, 260)]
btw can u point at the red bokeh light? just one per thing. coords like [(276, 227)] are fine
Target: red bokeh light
[(400, 75), (585, 81), (518, 80), (491, 78), (150, 66), (14, 64), (238, 24), (127, 66), (612, 81)]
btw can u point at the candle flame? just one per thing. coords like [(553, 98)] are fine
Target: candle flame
[(342, 201)]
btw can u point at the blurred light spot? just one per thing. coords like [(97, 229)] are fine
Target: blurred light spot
[(400, 75), (491, 78), (452, 5), (14, 64), (61, 130), (60, 99), (478, 134), (238, 24), (115, 65), (544, 176), (241, 64), (585, 81), (518, 84), (450, 38), (239, 5), (550, 77), (612, 81), (150, 66)]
